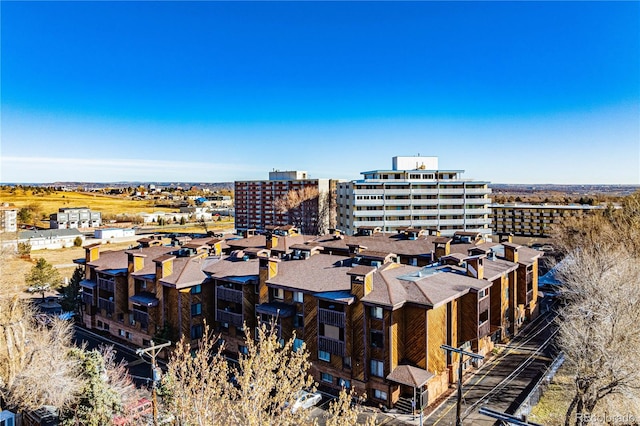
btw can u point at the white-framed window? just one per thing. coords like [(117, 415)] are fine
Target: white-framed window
[(483, 293), (376, 312), (278, 293), (326, 377), (377, 368), (378, 394), (297, 296), (324, 356)]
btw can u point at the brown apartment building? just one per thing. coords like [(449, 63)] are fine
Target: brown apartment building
[(372, 309)]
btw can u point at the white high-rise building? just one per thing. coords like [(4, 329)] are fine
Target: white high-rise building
[(415, 193)]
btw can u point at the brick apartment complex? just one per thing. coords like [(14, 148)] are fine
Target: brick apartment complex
[(255, 202), (371, 309), (414, 193), (533, 220), (77, 217)]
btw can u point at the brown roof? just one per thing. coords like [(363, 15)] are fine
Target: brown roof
[(318, 273), (442, 240), (494, 268), (164, 258), (410, 376), (187, 272), (230, 267), (361, 270), (110, 260)]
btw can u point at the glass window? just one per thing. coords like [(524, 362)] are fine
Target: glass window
[(378, 394), (298, 321), (196, 309), (196, 331), (297, 344), (324, 356), (297, 296), (196, 289), (278, 293), (377, 339), (326, 377), (376, 312), (377, 368)]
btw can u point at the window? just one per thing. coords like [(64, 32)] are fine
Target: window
[(297, 344), (482, 293), (378, 394), (346, 362), (121, 332), (243, 349), (376, 312), (278, 293), (196, 309), (324, 356), (377, 339), (196, 289), (484, 317), (297, 296), (326, 377), (377, 368), (298, 321), (344, 383), (106, 326), (196, 331)]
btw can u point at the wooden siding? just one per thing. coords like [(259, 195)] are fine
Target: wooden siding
[(311, 325), (437, 336), (468, 319), (415, 345), (358, 339), (396, 338)]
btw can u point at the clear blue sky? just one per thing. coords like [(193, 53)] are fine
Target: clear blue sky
[(511, 92)]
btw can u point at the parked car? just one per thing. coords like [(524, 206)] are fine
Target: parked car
[(305, 400)]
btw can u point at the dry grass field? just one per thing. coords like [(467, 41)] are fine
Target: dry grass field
[(50, 203)]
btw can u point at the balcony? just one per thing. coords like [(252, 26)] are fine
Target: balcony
[(229, 294), (106, 304), (141, 318), (87, 298), (106, 284), (529, 296), (329, 317), (336, 347), (229, 317)]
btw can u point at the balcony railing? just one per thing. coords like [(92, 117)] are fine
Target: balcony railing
[(142, 318), (106, 284), (333, 346), (87, 298), (106, 304), (229, 294), (229, 317), (329, 317)]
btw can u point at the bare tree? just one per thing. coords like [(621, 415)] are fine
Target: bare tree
[(201, 388), (598, 327), (302, 208), (344, 412), (35, 367)]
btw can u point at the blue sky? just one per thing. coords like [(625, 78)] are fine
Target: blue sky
[(511, 92)]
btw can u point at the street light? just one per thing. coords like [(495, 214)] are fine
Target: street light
[(459, 399), (152, 351)]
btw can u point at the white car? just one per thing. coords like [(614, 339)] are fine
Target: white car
[(305, 400)]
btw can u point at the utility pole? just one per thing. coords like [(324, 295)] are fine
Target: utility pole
[(459, 399), (153, 351)]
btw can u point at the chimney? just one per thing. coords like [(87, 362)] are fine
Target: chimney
[(91, 254), (475, 266), (361, 281), (268, 268), (135, 261), (506, 237), (272, 241), (164, 266), (443, 247), (511, 252)]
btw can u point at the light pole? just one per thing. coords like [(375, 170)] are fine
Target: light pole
[(152, 351), (459, 399)]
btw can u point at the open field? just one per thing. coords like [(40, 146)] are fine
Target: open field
[(50, 202)]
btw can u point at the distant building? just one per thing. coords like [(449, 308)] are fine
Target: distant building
[(77, 217), (50, 238), (534, 220), (8, 218), (102, 234), (416, 193), (255, 202)]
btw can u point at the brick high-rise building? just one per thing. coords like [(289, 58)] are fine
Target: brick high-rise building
[(256, 202)]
